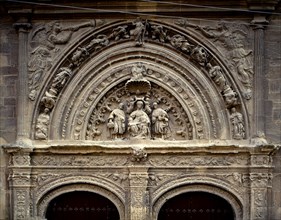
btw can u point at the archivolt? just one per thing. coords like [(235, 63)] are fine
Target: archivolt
[(185, 79), (83, 184), (186, 185)]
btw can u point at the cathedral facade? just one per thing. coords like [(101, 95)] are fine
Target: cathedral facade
[(140, 110)]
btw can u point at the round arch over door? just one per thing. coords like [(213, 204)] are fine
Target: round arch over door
[(81, 205), (196, 206)]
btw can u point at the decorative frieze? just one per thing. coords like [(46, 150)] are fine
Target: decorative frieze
[(179, 160)]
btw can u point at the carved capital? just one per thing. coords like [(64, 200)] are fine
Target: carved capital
[(20, 160), (260, 179), (260, 160), (22, 27), (259, 22), (21, 179)]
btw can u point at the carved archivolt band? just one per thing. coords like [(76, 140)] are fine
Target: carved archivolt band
[(46, 198), (95, 66)]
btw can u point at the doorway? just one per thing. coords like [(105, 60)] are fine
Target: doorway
[(196, 206), (81, 205)]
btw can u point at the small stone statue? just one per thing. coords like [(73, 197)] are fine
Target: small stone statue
[(158, 33), (42, 125), (180, 42), (160, 122), (139, 122), (230, 97), (116, 122), (139, 31), (79, 55), (119, 32), (61, 78), (200, 55), (216, 74), (138, 72), (238, 130), (98, 42)]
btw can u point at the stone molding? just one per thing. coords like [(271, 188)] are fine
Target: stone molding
[(193, 186)]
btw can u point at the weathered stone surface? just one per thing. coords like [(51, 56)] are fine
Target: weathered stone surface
[(140, 109)]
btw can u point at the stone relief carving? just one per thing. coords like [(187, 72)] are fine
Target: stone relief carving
[(261, 179), (139, 122), (119, 33), (138, 155), (21, 179), (20, 160), (46, 41), (139, 29), (92, 160), (42, 125), (177, 160), (133, 117), (231, 38), (238, 129), (20, 206), (160, 122), (116, 122)]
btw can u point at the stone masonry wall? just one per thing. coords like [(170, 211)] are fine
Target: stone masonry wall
[(273, 106), (8, 81), (8, 93)]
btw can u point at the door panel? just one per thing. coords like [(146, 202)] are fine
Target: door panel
[(80, 205), (196, 206)]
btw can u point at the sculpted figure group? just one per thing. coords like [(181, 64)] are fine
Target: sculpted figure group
[(141, 123)]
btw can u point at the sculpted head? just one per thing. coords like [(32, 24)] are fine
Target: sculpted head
[(139, 105)]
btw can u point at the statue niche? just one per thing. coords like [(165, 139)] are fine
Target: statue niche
[(138, 109)]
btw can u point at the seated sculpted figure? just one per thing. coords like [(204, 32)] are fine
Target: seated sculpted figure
[(139, 122)]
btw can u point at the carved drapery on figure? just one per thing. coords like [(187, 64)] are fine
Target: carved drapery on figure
[(231, 38), (46, 40)]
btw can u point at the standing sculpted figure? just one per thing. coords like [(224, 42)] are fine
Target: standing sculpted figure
[(139, 31), (160, 120), (116, 122), (139, 122), (216, 74), (42, 125), (237, 121)]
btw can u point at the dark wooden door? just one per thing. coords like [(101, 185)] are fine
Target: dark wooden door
[(196, 206), (80, 205)]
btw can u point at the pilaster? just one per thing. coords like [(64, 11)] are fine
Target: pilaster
[(23, 26), (258, 25), (139, 195)]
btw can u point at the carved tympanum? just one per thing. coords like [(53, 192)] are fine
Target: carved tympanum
[(128, 113)]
